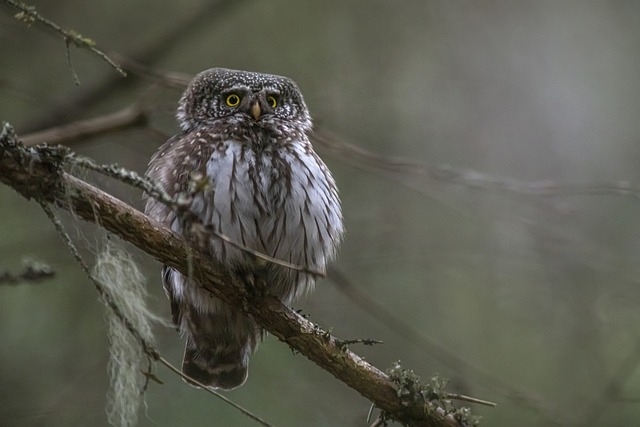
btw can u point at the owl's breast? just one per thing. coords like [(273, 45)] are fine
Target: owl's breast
[(280, 201), (248, 191)]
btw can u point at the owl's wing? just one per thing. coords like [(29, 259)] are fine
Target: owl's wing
[(173, 164), (170, 168), (159, 172)]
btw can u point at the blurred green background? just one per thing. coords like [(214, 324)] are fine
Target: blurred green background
[(532, 302)]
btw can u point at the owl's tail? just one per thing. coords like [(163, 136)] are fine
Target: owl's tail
[(218, 347), (219, 367)]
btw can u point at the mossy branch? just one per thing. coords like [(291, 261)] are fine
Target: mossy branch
[(37, 173)]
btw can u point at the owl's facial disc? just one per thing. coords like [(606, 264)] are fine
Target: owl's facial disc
[(223, 94), (255, 104)]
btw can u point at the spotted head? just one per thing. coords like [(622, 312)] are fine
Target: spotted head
[(245, 98)]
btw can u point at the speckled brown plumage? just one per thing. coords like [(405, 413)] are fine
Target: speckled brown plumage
[(265, 188)]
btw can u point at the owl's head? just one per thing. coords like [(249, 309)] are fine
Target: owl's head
[(243, 97)]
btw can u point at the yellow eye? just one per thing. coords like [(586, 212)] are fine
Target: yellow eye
[(272, 101), (233, 100)]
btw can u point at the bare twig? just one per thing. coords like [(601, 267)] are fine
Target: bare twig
[(469, 399), (28, 15)]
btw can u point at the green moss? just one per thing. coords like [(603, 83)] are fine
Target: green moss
[(432, 394)]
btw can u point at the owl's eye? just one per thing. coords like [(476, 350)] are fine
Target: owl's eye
[(233, 100), (273, 102)]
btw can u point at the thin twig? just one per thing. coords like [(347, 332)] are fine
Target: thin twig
[(469, 399), (28, 15), (67, 51)]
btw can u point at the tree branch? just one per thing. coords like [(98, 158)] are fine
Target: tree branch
[(37, 173), (28, 15), (467, 178), (127, 117)]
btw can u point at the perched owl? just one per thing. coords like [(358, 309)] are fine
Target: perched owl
[(247, 135)]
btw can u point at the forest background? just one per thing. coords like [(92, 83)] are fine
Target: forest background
[(492, 224)]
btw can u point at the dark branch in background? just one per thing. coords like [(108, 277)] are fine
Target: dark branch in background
[(358, 157), (168, 79), (32, 272), (131, 116), (29, 16), (37, 173)]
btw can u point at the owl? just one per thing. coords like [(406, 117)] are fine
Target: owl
[(245, 135)]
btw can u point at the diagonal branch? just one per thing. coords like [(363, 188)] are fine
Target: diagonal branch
[(36, 173), (29, 15)]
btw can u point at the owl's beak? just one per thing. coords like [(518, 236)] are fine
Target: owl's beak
[(255, 110)]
